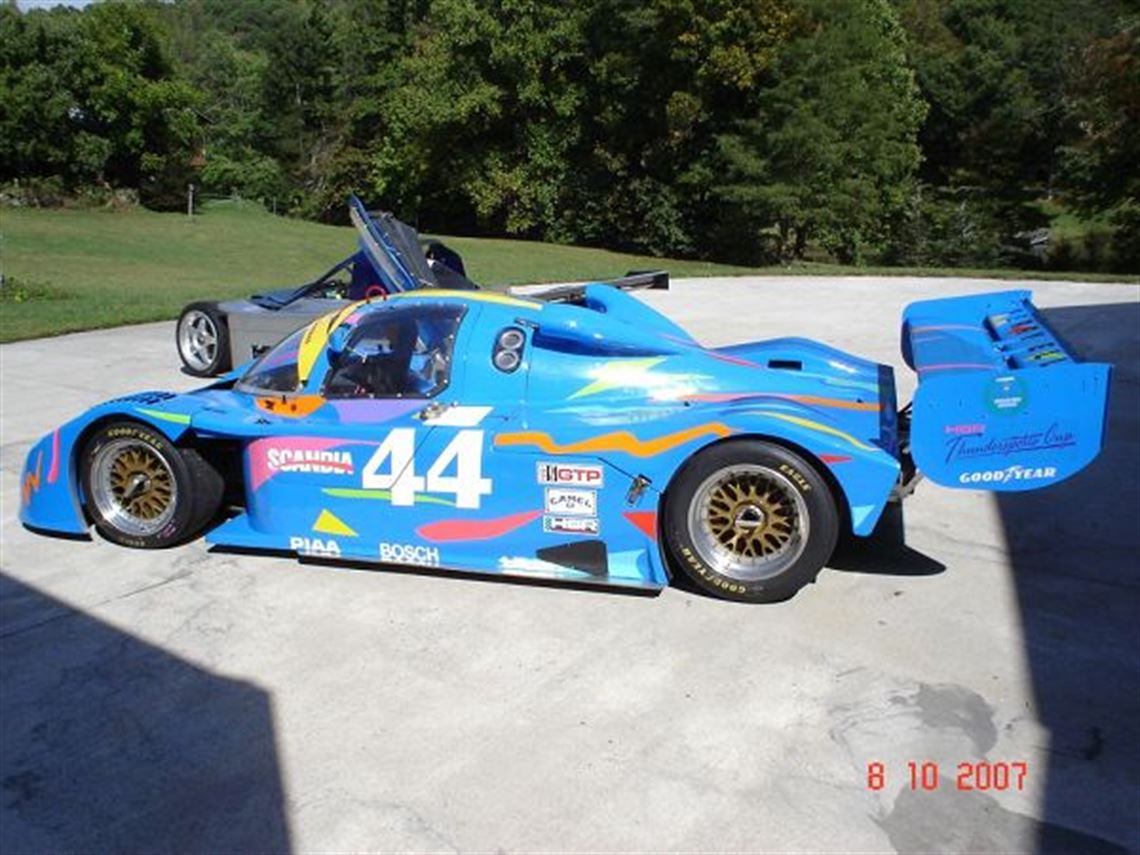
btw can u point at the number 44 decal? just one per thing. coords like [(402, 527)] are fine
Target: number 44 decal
[(393, 468)]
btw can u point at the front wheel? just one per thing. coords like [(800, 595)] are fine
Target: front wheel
[(750, 520), (143, 491), (203, 339)]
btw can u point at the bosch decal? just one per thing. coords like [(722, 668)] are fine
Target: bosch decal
[(409, 553)]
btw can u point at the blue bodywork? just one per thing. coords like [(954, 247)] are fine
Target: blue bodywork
[(557, 464)]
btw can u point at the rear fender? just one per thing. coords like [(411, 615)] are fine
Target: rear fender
[(863, 472)]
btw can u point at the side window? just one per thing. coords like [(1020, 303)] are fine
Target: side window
[(401, 352)]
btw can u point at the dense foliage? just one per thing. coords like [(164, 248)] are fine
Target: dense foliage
[(907, 131)]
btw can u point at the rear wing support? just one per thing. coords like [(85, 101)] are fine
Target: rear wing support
[(1003, 403), (575, 293)]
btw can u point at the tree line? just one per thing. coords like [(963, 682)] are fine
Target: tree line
[(910, 132)]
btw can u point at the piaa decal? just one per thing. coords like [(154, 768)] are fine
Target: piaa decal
[(315, 546)]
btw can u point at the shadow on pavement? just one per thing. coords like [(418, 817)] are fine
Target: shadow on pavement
[(1074, 549), (885, 552), (111, 744)]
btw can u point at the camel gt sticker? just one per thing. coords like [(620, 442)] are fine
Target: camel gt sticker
[(582, 503)]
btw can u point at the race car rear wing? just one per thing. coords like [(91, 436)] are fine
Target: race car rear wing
[(575, 292), (1002, 402)]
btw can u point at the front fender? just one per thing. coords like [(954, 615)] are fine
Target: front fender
[(50, 496)]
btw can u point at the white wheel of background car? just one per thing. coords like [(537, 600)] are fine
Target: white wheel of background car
[(198, 339), (203, 340)]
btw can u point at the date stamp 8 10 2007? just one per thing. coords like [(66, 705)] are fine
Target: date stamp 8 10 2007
[(982, 775)]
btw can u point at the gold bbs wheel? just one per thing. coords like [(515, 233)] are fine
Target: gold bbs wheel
[(133, 487), (141, 490), (749, 522)]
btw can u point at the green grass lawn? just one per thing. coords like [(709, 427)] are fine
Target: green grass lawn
[(69, 270)]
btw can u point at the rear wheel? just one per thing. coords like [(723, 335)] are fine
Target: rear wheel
[(749, 520), (203, 339), (143, 491)]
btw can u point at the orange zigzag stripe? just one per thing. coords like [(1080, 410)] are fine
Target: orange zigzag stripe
[(32, 480), (621, 440)]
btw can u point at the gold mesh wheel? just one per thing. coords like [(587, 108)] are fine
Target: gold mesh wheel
[(133, 487), (748, 522)]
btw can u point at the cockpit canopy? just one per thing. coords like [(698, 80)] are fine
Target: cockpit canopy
[(392, 351)]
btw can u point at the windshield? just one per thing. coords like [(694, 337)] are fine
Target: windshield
[(397, 352), (276, 369)]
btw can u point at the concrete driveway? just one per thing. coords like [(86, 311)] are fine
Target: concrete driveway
[(189, 701)]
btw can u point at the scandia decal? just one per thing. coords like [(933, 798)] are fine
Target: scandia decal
[(621, 440), (310, 460), (269, 457)]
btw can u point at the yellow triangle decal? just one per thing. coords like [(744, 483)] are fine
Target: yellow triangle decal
[(328, 523)]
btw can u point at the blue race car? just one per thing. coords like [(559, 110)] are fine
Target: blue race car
[(579, 436)]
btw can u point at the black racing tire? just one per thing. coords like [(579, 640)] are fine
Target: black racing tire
[(142, 491), (202, 337), (750, 520)]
